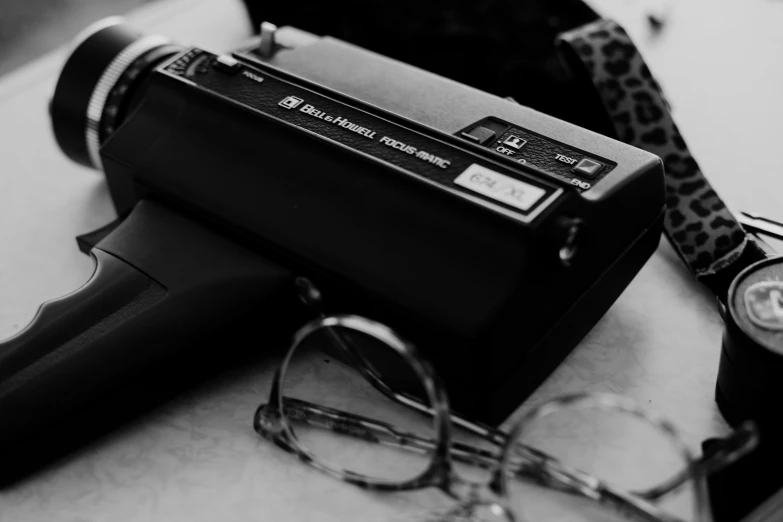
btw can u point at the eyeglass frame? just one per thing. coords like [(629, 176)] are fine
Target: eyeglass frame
[(271, 423)]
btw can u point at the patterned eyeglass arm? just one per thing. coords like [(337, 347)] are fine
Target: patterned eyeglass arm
[(370, 430), (531, 464)]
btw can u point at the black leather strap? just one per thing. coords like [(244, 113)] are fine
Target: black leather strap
[(705, 234)]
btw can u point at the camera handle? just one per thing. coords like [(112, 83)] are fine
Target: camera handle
[(165, 293)]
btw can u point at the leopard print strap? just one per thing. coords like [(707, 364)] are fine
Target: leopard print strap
[(704, 232)]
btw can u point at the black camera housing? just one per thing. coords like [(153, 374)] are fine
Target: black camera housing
[(491, 235), (487, 289)]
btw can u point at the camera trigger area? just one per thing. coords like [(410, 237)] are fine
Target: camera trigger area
[(89, 240), (166, 290)]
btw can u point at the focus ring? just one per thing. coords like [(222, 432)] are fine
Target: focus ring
[(103, 88)]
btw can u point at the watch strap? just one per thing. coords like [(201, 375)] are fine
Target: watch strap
[(703, 231)]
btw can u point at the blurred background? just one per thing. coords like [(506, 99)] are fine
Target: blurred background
[(30, 28), (448, 38)]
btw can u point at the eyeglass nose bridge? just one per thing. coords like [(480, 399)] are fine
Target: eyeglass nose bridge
[(472, 494)]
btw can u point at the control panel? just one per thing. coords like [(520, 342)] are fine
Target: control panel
[(313, 113), (515, 144)]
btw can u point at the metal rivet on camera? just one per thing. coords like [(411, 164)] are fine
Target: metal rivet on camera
[(569, 248)]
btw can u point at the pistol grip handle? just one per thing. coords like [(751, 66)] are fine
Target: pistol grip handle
[(114, 285), (166, 292)]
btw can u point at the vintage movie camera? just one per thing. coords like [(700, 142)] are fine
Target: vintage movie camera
[(492, 235)]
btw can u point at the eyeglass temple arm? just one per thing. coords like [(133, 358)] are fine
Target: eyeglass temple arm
[(370, 430), (531, 464)]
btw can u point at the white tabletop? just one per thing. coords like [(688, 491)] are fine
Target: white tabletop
[(197, 458)]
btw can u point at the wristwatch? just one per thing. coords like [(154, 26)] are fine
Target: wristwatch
[(741, 270), (734, 263)]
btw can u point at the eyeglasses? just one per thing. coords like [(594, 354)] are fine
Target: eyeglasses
[(367, 409)]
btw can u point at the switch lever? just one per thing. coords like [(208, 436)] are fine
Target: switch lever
[(266, 47), (480, 135)]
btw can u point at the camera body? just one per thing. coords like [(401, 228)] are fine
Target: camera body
[(491, 235)]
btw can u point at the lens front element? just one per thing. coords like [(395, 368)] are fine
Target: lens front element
[(107, 65)]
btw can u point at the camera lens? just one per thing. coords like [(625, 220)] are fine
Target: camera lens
[(100, 83)]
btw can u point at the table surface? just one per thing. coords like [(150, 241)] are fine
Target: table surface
[(197, 458)]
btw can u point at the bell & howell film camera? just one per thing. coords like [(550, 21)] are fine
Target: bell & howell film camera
[(493, 236)]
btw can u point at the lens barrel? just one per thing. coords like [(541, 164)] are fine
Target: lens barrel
[(108, 64)]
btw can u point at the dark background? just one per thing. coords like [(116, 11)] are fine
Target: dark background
[(504, 47), (501, 46)]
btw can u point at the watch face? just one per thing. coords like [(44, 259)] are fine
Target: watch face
[(756, 303), (764, 304)]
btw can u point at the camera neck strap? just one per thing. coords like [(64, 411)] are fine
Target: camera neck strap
[(703, 231)]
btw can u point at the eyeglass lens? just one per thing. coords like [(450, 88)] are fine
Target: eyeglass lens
[(622, 449), (355, 427)]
